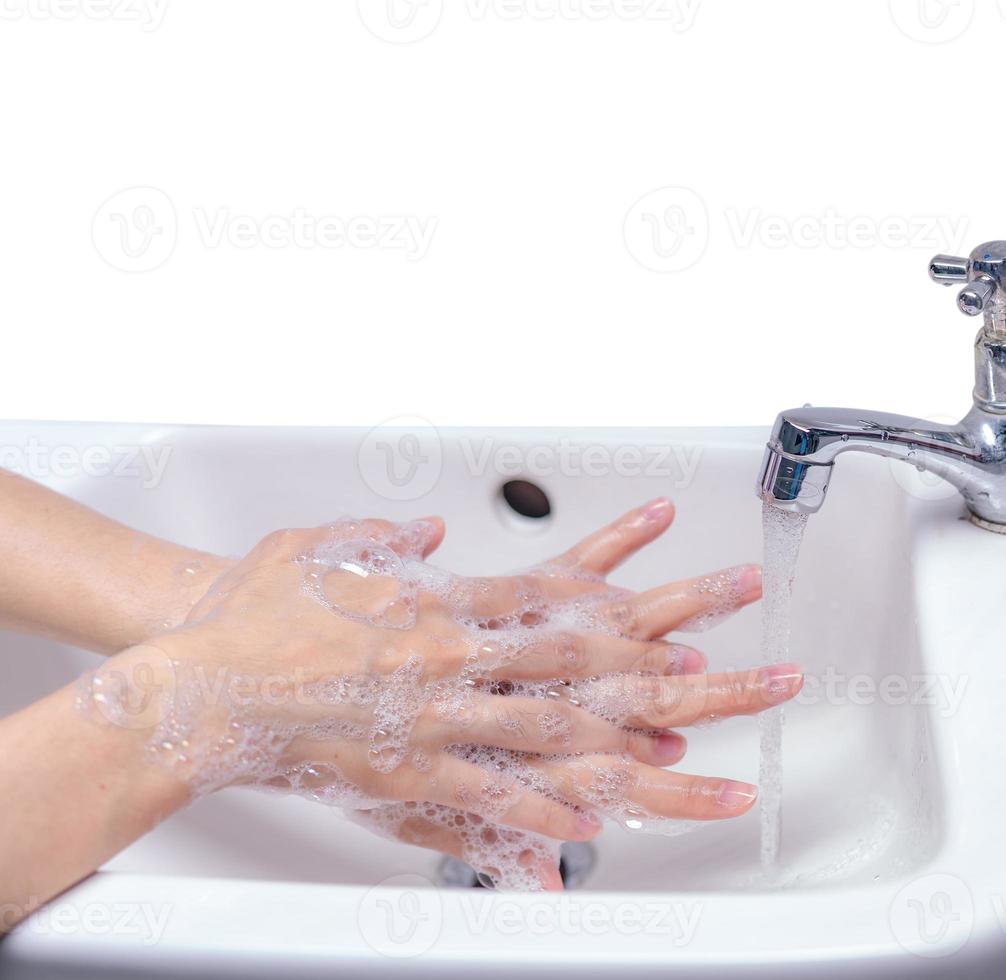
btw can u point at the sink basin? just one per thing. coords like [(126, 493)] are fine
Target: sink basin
[(892, 754)]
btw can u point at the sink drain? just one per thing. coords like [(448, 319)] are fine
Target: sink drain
[(575, 864)]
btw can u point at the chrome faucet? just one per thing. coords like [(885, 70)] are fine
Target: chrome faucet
[(971, 455)]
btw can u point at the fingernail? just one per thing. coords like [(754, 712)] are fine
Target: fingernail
[(587, 825), (685, 660), (657, 509), (670, 746), (780, 681), (735, 794)]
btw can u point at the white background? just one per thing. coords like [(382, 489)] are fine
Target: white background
[(533, 139)]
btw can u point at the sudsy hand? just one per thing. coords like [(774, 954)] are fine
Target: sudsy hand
[(488, 718)]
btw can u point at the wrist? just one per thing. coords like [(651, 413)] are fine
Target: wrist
[(169, 581), (125, 703), (189, 578), (93, 794)]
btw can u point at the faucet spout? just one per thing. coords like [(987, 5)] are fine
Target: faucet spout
[(970, 455), (805, 442)]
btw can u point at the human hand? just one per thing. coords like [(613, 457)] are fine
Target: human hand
[(483, 717)]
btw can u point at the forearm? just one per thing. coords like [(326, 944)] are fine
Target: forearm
[(72, 574), (76, 789)]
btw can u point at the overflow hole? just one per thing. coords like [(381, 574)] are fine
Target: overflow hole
[(527, 499)]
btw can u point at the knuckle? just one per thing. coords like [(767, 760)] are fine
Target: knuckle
[(570, 653), (557, 725), (661, 700), (555, 820), (400, 784), (740, 691), (510, 720), (375, 528), (627, 741), (280, 538), (695, 798), (654, 660), (624, 616)]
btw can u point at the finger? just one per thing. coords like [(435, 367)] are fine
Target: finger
[(606, 549), (416, 538), (422, 536), (692, 605), (569, 655), (525, 600), (421, 832), (508, 600), (419, 537), (546, 725), (666, 702), (465, 786), (614, 785)]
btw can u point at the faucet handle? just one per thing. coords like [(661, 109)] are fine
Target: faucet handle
[(948, 269), (983, 271)]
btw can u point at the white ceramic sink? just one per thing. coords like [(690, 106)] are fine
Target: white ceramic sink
[(893, 860)]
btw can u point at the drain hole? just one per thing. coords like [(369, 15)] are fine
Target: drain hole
[(575, 864), (526, 499)]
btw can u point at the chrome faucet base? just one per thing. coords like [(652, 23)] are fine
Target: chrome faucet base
[(986, 525)]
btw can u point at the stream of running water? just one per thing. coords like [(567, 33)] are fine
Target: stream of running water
[(783, 532)]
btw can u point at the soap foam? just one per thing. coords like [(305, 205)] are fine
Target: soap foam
[(379, 577), (722, 596)]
